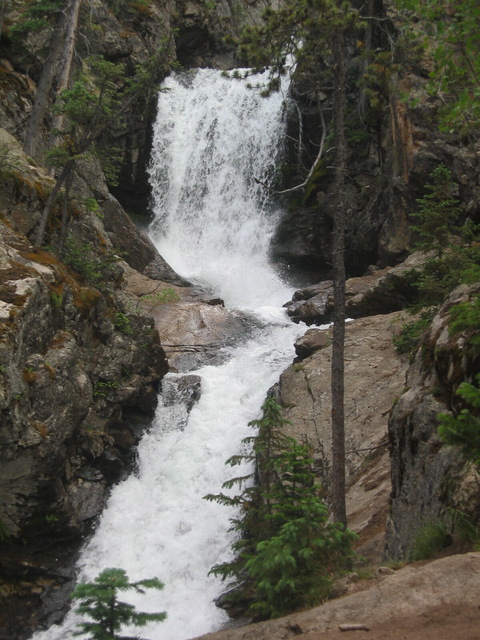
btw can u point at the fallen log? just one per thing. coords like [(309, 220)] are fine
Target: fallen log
[(353, 627)]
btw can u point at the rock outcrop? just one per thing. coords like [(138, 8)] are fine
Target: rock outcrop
[(192, 326), (79, 374), (374, 378), (429, 478), (424, 594), (382, 291)]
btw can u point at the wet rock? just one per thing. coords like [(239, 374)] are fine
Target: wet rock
[(159, 269), (382, 291), (312, 340), (194, 333), (184, 390)]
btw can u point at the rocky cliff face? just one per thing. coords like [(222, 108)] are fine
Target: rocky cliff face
[(79, 374), (392, 152), (431, 482), (374, 377)]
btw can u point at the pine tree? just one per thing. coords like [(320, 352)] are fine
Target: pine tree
[(99, 601), (463, 429), (437, 213), (287, 548), (317, 33)]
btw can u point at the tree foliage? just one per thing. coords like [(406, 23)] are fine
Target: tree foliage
[(454, 249), (94, 111), (36, 16), (287, 549), (449, 34), (99, 601), (463, 428), (465, 317), (437, 214)]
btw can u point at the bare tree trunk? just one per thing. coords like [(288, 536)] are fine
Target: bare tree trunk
[(2, 13), (65, 216), (66, 171), (367, 46), (72, 11), (338, 345), (45, 84)]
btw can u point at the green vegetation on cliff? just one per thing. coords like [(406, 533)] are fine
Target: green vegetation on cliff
[(449, 35)]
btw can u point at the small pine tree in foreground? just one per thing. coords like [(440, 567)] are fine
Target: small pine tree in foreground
[(288, 549), (99, 601)]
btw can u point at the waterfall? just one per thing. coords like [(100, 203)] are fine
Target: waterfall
[(214, 138)]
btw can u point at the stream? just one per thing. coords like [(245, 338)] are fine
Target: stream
[(214, 139)]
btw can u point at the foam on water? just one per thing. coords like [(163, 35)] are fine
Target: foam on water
[(213, 224)]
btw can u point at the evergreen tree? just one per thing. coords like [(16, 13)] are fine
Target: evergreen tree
[(455, 254), (463, 428), (317, 33), (437, 214), (60, 18), (94, 107), (99, 601), (287, 548)]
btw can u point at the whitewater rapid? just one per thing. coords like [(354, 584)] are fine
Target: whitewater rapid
[(215, 140)]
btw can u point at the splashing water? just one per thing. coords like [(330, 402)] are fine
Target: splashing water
[(215, 140), (213, 224)]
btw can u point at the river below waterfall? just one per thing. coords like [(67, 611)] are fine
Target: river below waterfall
[(213, 223)]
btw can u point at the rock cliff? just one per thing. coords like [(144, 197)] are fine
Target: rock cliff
[(374, 378), (435, 601), (79, 374), (431, 483)]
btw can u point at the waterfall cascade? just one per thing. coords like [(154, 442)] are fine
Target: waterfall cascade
[(213, 224), (213, 221)]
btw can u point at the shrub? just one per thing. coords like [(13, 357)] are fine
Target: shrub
[(102, 388), (437, 213), (465, 316), (411, 334), (430, 539), (161, 297), (93, 268), (123, 324), (463, 429)]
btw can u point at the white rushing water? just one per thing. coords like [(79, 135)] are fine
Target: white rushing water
[(214, 140), (213, 225)]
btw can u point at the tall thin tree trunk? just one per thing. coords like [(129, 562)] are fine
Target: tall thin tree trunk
[(367, 46), (2, 13), (66, 171), (73, 11), (338, 345), (65, 214), (43, 89)]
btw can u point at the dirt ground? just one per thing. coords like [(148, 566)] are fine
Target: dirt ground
[(442, 623)]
